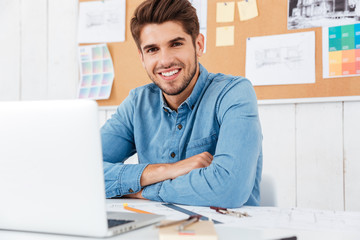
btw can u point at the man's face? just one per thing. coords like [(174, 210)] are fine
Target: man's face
[(169, 56)]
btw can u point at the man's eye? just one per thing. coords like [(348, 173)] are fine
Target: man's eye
[(151, 50), (177, 44)]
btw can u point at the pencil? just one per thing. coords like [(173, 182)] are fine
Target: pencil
[(134, 209)]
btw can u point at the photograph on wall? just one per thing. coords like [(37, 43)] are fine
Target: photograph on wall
[(322, 13), (281, 59), (341, 51)]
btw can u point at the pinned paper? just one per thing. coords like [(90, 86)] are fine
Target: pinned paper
[(225, 36), (101, 21), (341, 51), (281, 59), (96, 72), (247, 9), (225, 11)]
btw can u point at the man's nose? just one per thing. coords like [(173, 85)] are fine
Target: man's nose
[(166, 58)]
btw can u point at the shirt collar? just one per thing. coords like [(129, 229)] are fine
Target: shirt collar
[(195, 94), (198, 88)]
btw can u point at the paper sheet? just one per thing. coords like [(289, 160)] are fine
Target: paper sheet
[(101, 21), (261, 217), (247, 9), (287, 218), (281, 59), (96, 72), (225, 36), (341, 51), (225, 11), (149, 206)]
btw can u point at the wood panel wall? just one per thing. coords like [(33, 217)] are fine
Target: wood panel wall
[(311, 153), (311, 150), (38, 57)]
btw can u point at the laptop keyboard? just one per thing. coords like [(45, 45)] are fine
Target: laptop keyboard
[(114, 223)]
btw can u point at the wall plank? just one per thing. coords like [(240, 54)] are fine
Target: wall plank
[(109, 113), (10, 49), (352, 155), (278, 126), (102, 117), (34, 49), (62, 53), (319, 156)]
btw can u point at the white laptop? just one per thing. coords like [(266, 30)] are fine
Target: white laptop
[(51, 173)]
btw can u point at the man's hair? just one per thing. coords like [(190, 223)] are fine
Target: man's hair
[(160, 11)]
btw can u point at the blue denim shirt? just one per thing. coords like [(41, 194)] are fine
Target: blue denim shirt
[(220, 116)]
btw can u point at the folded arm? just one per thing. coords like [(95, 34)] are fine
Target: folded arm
[(229, 180)]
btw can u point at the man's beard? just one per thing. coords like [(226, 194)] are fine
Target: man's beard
[(185, 83)]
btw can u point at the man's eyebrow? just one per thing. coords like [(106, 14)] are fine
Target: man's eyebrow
[(177, 39), (171, 41)]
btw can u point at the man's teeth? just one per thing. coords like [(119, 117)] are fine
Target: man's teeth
[(168, 74)]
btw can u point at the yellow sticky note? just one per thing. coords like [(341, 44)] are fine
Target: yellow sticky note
[(225, 11), (247, 9), (225, 36)]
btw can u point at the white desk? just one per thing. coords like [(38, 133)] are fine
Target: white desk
[(260, 226)]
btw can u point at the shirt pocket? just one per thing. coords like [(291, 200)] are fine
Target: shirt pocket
[(198, 146)]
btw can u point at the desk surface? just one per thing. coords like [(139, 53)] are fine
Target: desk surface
[(264, 223)]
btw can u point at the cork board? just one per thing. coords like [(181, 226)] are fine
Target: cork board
[(272, 19)]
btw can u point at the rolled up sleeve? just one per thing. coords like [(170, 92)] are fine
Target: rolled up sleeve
[(122, 179), (233, 177)]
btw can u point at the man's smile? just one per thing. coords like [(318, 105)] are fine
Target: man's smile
[(169, 74)]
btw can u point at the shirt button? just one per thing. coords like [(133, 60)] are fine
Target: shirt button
[(172, 154), (131, 191), (179, 126), (192, 107)]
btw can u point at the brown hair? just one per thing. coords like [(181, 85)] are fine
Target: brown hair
[(160, 11)]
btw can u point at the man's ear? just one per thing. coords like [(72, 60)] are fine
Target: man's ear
[(199, 45), (141, 57)]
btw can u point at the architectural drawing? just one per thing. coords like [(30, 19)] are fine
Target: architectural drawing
[(281, 59), (282, 55)]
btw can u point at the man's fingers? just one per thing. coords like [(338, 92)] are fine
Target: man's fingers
[(208, 156)]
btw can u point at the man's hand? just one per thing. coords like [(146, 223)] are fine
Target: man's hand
[(183, 167), (154, 173), (135, 195)]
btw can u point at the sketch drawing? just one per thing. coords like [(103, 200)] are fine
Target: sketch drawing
[(281, 59), (287, 56), (103, 17)]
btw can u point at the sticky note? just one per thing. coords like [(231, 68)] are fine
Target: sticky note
[(247, 9), (225, 11), (225, 36)]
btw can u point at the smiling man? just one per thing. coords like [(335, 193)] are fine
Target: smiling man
[(197, 134)]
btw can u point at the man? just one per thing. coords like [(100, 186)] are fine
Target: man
[(197, 134)]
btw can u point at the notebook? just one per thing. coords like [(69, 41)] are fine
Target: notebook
[(51, 173)]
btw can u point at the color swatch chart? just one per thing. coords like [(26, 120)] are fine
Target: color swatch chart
[(96, 72), (344, 50)]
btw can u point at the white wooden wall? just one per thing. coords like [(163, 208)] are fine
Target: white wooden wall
[(38, 49), (311, 149), (311, 153)]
